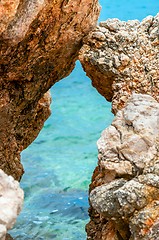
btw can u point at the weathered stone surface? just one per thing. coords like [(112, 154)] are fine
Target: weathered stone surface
[(8, 9), (122, 57), (127, 190), (11, 200), (39, 43)]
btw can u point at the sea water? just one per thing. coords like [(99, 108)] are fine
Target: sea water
[(59, 163)]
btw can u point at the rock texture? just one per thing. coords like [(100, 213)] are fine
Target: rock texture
[(129, 162), (11, 200), (122, 60), (122, 57), (39, 43)]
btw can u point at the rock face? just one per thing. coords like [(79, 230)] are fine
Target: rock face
[(39, 43), (122, 60), (11, 200), (122, 57)]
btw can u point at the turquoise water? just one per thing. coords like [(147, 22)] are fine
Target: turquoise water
[(59, 163), (128, 9)]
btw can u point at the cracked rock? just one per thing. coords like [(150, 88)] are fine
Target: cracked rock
[(129, 61), (126, 190)]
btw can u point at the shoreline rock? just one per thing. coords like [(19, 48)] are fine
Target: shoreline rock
[(128, 159), (121, 58), (40, 41), (11, 201)]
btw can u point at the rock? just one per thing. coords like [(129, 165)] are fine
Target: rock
[(11, 200), (129, 61), (8, 237), (127, 190), (8, 9), (121, 63), (39, 43)]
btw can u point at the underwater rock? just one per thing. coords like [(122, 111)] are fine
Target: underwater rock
[(39, 43), (122, 57), (11, 200)]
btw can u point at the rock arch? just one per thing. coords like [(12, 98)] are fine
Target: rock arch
[(39, 44), (40, 41)]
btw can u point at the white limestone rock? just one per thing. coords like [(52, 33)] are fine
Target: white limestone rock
[(129, 151), (11, 200), (130, 142)]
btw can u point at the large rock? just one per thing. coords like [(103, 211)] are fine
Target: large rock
[(11, 200), (126, 194), (39, 43), (122, 57)]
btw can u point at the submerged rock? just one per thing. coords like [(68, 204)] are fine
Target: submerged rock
[(11, 200)]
